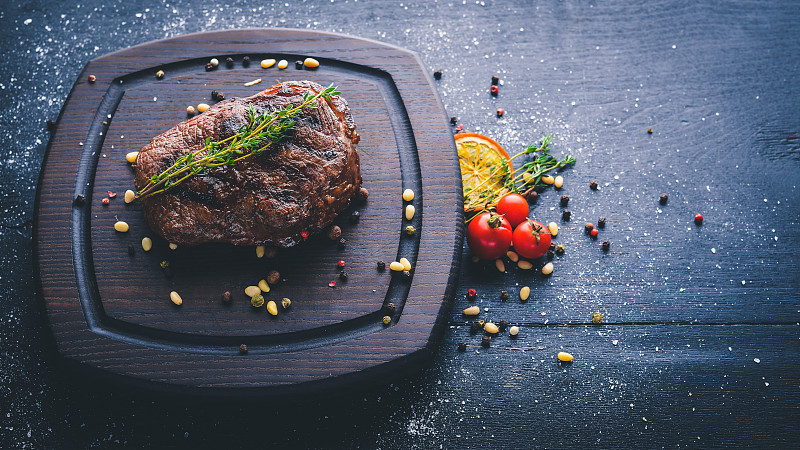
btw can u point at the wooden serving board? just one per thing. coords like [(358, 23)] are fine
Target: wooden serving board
[(111, 311)]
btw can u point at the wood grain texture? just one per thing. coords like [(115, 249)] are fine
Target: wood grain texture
[(110, 310)]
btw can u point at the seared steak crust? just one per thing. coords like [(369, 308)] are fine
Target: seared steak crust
[(300, 184)]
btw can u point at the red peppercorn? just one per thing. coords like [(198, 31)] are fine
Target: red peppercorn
[(698, 219), (332, 283), (594, 232), (494, 90), (500, 112), (471, 292), (92, 78), (111, 194), (340, 263), (304, 234), (106, 201), (459, 127)]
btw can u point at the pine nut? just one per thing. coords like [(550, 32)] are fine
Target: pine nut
[(406, 264), (397, 266), (263, 286), (311, 63), (553, 227), (202, 107), (547, 269), (282, 64), (559, 182), (175, 298), (565, 357), (513, 330), (260, 251), (524, 265), (408, 195), (147, 244), (214, 62), (547, 179), (173, 246), (121, 226), (131, 157), (501, 266), (130, 196), (410, 210), (512, 256), (267, 63), (252, 291), (472, 311), (524, 293), (490, 328), (272, 308)]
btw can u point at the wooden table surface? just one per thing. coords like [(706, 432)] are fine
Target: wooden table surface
[(701, 345)]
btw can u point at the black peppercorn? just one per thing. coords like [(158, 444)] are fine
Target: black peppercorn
[(601, 222), (229, 62), (226, 296), (343, 275), (131, 251), (298, 65), (381, 266), (462, 347), (80, 200), (355, 217), (214, 95), (453, 120), (564, 200), (220, 97), (486, 341), (606, 246), (532, 196), (475, 327), (342, 243), (663, 199), (390, 307), (502, 325), (246, 61), (588, 227), (552, 246), (243, 349), (51, 125), (593, 185), (504, 295), (495, 79), (334, 232), (566, 214), (560, 249), (437, 74), (209, 67), (363, 195)]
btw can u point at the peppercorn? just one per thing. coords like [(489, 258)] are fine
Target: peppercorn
[(229, 62), (593, 185), (220, 97), (381, 266), (386, 320), (462, 347), (334, 232), (532, 196), (355, 217), (593, 233), (606, 246), (550, 254), (390, 307), (92, 78), (214, 95), (500, 112), (257, 301), (160, 74), (486, 341), (343, 275), (105, 201), (273, 277), (502, 325), (226, 296), (475, 327), (494, 90), (597, 318), (363, 195), (209, 67), (471, 293), (459, 127), (698, 219), (649, 131), (246, 61), (407, 274), (663, 199), (340, 263), (131, 251), (410, 230), (437, 74), (495, 80), (453, 120), (565, 215), (298, 65), (504, 295), (80, 200), (342, 243), (589, 227), (304, 234), (560, 249), (243, 349), (564, 200)]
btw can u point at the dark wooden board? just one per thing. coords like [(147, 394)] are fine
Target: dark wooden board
[(111, 311)]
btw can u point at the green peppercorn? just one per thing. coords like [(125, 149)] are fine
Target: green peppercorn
[(597, 318), (257, 301), (410, 230), (386, 320), (503, 295)]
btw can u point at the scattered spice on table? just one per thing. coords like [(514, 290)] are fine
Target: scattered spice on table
[(486, 341), (663, 199), (437, 74), (593, 185), (606, 246), (564, 200), (601, 222), (565, 215)]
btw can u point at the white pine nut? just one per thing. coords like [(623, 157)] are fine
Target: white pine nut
[(408, 195), (547, 269), (410, 210), (553, 227)]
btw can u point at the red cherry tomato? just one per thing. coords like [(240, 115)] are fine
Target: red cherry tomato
[(489, 235), (531, 239), (514, 207)]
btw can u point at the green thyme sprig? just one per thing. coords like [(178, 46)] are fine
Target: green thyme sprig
[(262, 130)]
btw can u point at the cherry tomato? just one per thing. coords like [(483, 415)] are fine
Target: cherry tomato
[(514, 207), (489, 235), (531, 239)]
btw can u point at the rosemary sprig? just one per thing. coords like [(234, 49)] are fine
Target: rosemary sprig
[(260, 133)]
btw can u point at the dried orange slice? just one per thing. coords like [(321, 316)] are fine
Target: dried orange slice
[(484, 165)]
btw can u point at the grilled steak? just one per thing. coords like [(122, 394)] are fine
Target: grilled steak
[(299, 184)]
